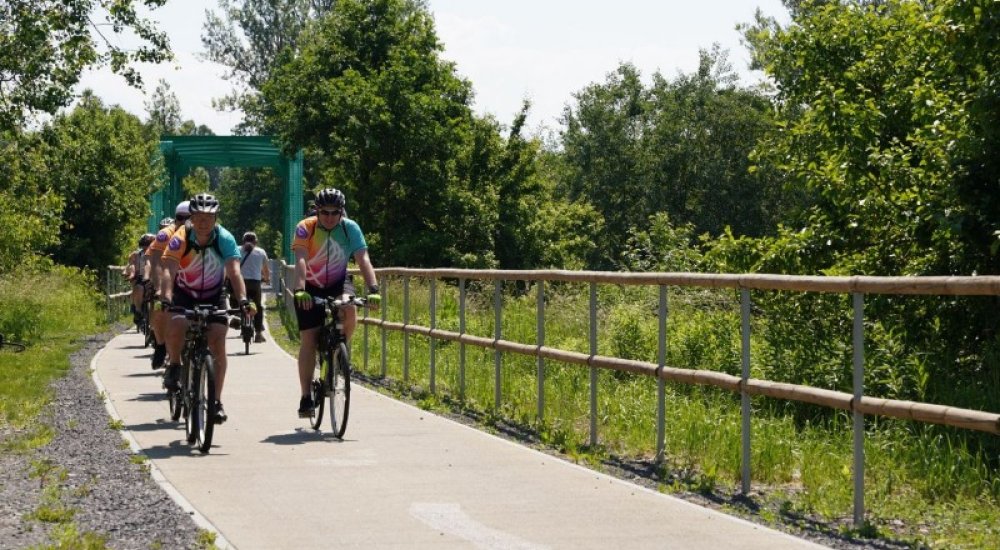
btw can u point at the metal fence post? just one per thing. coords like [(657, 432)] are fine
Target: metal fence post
[(433, 323), (406, 334), (385, 306), (661, 390), (497, 333), (744, 396), (859, 418), (366, 340), (461, 344), (593, 369), (540, 340)]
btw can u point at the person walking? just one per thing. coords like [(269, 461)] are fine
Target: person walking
[(253, 265)]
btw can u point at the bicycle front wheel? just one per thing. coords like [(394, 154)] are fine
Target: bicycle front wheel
[(205, 404), (339, 377)]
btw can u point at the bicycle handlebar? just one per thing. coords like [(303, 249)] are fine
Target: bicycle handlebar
[(203, 311), (338, 302)]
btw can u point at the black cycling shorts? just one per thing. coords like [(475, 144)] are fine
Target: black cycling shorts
[(315, 316), (185, 300)]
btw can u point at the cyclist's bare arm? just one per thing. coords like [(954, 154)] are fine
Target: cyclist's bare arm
[(300, 269), (365, 265), (236, 279), (155, 267), (167, 280)]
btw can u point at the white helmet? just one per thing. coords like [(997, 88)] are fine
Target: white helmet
[(183, 209)]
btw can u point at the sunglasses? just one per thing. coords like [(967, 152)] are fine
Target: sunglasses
[(331, 212)]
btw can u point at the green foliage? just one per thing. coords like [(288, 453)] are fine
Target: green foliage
[(251, 200), (368, 96), (887, 110), (99, 161), (677, 147), (29, 207), (249, 37), (368, 89), (45, 308), (46, 44)]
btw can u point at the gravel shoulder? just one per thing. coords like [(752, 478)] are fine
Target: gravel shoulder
[(91, 476)]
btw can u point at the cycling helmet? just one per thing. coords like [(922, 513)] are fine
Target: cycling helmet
[(203, 202), (330, 197), (249, 237), (183, 209), (165, 222), (146, 240)]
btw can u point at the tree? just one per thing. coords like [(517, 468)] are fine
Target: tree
[(100, 163), (250, 37), (888, 117), (29, 207), (368, 91), (46, 44), (163, 111), (602, 145), (679, 147)]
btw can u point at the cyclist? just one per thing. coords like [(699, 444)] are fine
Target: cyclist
[(200, 255), (156, 250), (134, 271), (323, 244), (253, 266)]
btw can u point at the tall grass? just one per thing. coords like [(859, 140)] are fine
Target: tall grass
[(935, 480), (48, 308)]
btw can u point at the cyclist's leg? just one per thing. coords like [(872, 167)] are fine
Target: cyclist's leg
[(254, 294), (349, 314), (136, 299), (307, 357), (176, 329), (217, 345)]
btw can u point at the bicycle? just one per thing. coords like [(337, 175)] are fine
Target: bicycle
[(195, 400), (18, 347), (246, 331), (332, 375)]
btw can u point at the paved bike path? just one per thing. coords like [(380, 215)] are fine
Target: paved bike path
[(403, 477)]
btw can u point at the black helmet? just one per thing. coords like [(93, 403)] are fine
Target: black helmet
[(203, 202), (146, 240), (249, 237), (165, 222), (330, 197)]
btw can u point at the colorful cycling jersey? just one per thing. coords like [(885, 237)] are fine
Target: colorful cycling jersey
[(202, 269), (327, 252), (160, 242)]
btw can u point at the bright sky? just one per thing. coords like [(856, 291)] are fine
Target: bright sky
[(544, 50)]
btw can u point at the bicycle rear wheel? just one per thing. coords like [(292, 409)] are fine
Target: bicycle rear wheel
[(317, 389), (190, 374), (205, 404), (339, 379)]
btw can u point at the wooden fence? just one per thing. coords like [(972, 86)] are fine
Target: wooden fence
[(856, 402)]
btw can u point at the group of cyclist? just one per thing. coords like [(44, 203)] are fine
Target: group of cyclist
[(192, 260)]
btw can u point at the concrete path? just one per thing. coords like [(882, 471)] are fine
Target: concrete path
[(403, 477)]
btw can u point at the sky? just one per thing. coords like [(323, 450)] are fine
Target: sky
[(541, 50)]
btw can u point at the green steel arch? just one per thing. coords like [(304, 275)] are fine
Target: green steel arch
[(182, 153)]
